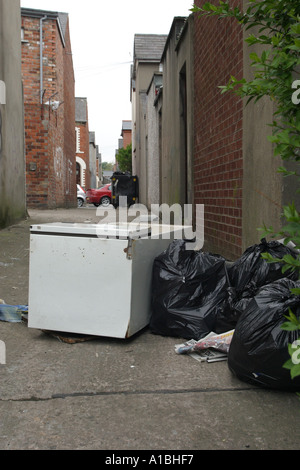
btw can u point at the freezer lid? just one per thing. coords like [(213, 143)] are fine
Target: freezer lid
[(113, 230)]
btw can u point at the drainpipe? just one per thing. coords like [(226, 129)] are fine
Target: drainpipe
[(41, 59)]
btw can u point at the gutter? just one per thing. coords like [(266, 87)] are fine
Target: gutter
[(41, 59)]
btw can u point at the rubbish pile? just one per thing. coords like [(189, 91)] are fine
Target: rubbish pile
[(199, 296), (225, 311)]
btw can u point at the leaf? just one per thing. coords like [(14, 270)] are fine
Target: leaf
[(295, 28), (292, 324), (251, 39), (295, 291), (285, 172), (288, 364), (295, 371), (288, 326), (285, 268), (254, 56)]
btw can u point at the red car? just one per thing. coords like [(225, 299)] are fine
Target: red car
[(99, 197)]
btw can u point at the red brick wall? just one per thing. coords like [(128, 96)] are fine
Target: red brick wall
[(37, 165), (127, 138), (36, 135), (50, 145), (218, 156)]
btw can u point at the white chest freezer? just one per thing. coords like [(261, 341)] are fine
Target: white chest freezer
[(93, 279)]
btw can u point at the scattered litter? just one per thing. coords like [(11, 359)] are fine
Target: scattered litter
[(13, 313), (202, 355), (208, 355), (212, 348), (212, 340)]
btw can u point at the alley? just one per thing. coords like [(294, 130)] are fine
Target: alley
[(107, 394)]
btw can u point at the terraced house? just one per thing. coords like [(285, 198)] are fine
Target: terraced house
[(49, 107)]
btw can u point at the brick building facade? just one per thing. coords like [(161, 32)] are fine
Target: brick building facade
[(126, 133), (235, 171), (49, 106), (218, 155)]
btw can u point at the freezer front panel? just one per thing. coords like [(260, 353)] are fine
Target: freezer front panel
[(75, 287)]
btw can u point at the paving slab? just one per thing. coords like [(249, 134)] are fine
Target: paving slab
[(122, 395)]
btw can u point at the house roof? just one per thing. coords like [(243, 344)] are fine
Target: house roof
[(60, 17), (92, 136), (63, 18), (149, 47), (126, 125), (178, 26), (81, 110)]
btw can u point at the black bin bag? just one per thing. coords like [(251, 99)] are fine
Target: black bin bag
[(251, 272), (259, 347), (189, 290)]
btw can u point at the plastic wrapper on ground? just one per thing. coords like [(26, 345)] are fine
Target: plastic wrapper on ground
[(13, 313), (212, 340)]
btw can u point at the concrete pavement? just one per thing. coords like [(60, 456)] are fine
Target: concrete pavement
[(122, 395)]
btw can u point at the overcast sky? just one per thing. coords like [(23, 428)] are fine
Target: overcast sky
[(102, 35)]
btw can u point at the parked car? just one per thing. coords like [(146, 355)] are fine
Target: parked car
[(99, 197), (81, 196)]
